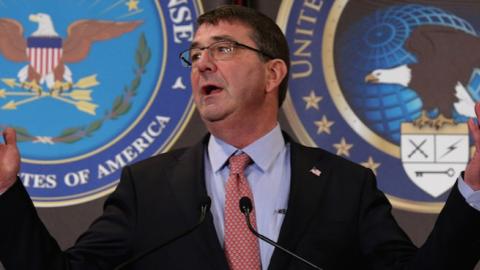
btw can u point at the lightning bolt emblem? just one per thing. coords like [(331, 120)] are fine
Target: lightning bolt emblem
[(451, 148)]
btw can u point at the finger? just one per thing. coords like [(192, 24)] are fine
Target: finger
[(10, 136), (477, 109), (475, 132)]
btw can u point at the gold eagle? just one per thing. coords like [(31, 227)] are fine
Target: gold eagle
[(81, 35)]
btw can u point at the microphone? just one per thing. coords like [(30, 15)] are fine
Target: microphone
[(204, 208), (246, 207)]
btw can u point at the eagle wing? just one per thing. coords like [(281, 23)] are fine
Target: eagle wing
[(81, 35), (12, 43), (445, 56), (427, 42)]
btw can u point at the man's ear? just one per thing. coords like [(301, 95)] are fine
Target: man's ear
[(276, 71)]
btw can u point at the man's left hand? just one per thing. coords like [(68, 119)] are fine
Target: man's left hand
[(472, 172)]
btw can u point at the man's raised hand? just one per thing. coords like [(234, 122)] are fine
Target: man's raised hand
[(9, 159)]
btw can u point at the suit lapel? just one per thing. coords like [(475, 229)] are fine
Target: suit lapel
[(306, 187), (188, 186)]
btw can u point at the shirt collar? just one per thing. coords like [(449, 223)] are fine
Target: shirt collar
[(263, 151)]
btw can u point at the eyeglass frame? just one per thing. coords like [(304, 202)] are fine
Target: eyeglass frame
[(235, 44)]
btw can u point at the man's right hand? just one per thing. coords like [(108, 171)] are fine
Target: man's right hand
[(9, 159)]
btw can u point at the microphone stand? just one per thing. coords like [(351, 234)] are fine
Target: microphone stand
[(246, 207)]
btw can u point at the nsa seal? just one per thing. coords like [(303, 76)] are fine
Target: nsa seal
[(387, 85), (92, 86)]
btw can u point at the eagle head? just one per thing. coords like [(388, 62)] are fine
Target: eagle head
[(45, 25), (398, 75)]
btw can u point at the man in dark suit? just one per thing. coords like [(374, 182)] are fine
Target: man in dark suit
[(324, 208)]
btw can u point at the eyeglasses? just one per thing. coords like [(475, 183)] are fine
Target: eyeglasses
[(220, 50)]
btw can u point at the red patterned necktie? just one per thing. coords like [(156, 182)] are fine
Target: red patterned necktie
[(241, 246)]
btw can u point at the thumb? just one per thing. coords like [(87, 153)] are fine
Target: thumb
[(10, 136)]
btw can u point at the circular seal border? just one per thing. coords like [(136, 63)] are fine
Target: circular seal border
[(342, 106), (61, 201)]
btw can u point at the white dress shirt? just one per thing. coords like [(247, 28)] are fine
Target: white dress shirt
[(269, 180), (472, 197)]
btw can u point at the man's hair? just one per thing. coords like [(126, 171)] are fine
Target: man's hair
[(266, 34)]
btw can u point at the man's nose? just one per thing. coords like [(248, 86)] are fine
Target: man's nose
[(205, 62)]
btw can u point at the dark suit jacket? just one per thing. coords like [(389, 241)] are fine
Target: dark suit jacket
[(338, 220)]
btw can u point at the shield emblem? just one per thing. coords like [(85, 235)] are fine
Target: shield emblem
[(433, 158), (44, 53)]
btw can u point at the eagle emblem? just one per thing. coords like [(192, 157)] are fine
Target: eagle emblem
[(445, 60), (47, 54)]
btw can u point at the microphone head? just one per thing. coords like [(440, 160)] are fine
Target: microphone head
[(205, 203), (245, 205)]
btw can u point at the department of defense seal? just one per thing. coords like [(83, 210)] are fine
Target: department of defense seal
[(91, 86)]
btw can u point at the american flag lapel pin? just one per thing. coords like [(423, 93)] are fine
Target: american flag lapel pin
[(315, 171)]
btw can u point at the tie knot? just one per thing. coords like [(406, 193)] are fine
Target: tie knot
[(238, 163)]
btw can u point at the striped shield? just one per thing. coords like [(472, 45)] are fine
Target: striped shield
[(44, 53)]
